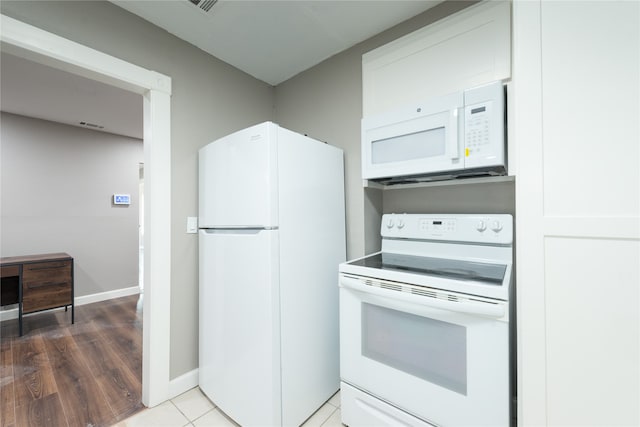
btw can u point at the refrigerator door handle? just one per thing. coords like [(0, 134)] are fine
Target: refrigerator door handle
[(237, 230)]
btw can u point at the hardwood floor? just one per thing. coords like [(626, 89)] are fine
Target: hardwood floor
[(86, 374)]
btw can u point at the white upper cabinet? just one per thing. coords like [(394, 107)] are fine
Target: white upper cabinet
[(467, 49)]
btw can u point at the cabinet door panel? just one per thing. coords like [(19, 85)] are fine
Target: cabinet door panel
[(590, 108), (467, 49), (593, 344)]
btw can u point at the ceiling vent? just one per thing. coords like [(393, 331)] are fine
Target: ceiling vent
[(205, 5), (91, 125)]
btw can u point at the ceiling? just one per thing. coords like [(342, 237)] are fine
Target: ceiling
[(275, 40), (270, 40), (35, 90)]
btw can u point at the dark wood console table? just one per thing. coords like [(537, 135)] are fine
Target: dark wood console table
[(37, 283)]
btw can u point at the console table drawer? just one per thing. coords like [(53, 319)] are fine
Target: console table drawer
[(44, 296), (46, 271), (46, 285), (10, 271)]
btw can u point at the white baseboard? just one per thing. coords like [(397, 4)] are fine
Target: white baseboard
[(103, 296), (86, 299), (184, 382)]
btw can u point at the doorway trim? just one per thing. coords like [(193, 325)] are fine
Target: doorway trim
[(27, 41)]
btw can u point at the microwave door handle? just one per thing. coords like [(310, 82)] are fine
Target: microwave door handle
[(454, 152), (483, 309)]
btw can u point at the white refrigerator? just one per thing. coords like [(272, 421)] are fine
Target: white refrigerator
[(272, 233)]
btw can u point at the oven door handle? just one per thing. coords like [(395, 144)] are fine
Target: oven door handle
[(477, 307)]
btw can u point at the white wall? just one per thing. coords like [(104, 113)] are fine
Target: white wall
[(57, 183)]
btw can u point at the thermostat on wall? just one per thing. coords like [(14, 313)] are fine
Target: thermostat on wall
[(121, 199)]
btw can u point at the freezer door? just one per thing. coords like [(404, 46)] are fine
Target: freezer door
[(238, 181), (239, 324)]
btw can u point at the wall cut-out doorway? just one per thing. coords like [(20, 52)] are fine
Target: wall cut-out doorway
[(141, 227), (32, 43)]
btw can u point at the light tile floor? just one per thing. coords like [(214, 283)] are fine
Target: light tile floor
[(194, 409)]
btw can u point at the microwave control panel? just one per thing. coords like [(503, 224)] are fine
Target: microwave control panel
[(484, 126), (478, 129)]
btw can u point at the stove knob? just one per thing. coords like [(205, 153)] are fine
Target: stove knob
[(400, 223), (390, 223), (496, 226), (481, 226)]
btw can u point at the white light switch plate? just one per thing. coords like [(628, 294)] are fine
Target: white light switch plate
[(192, 224)]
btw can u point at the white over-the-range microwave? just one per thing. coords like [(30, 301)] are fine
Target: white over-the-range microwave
[(453, 136)]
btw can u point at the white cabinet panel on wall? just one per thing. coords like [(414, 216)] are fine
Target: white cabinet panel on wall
[(590, 108), (469, 48), (591, 81), (592, 328), (576, 101)]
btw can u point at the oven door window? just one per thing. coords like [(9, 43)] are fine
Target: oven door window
[(430, 349)]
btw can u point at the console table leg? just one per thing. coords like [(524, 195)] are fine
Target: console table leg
[(20, 318)]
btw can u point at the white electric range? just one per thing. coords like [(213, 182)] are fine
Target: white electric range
[(425, 330)]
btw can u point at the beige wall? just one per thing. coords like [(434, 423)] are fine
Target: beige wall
[(326, 103), (57, 183), (209, 99)]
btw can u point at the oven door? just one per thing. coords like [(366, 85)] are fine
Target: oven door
[(443, 361)]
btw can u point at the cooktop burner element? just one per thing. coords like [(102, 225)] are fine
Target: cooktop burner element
[(442, 267)]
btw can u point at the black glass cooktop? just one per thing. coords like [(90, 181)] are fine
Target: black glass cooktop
[(492, 274)]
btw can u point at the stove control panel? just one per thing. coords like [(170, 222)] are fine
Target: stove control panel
[(493, 228)]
